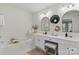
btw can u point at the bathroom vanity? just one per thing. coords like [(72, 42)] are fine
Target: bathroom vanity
[(66, 46)]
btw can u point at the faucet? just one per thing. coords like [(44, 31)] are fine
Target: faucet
[(66, 35)]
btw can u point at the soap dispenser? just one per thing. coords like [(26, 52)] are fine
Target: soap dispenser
[(66, 34)]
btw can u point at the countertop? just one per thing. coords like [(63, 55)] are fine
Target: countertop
[(60, 37)]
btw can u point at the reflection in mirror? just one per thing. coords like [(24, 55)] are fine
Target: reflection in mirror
[(45, 24), (67, 25), (70, 21)]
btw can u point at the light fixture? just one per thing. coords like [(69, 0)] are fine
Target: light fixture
[(45, 14), (49, 13), (70, 5), (42, 15), (2, 22)]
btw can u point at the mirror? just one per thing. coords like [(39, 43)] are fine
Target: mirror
[(45, 24), (54, 19), (70, 21), (57, 28)]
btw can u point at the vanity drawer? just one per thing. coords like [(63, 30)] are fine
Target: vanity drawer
[(63, 49)]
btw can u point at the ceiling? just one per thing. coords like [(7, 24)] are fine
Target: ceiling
[(32, 7)]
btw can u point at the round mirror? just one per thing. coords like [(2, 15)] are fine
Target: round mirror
[(57, 28), (54, 19)]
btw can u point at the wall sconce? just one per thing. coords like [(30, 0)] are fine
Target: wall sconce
[(2, 22), (70, 5), (42, 15), (45, 14)]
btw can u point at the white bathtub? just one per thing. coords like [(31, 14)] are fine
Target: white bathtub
[(20, 48)]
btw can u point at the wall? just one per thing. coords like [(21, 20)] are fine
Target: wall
[(17, 23), (58, 9), (51, 11)]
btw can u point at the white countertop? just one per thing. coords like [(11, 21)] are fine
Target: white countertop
[(60, 37)]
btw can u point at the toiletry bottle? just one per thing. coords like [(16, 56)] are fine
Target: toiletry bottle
[(66, 34), (45, 33)]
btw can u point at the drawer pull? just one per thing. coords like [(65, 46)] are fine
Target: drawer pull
[(72, 49), (67, 48)]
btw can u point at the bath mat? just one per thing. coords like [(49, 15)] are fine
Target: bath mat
[(36, 51)]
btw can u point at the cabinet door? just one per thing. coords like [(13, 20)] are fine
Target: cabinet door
[(68, 48), (39, 42), (63, 49), (77, 51), (73, 51), (71, 48)]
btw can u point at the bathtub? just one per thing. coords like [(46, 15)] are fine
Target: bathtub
[(20, 48)]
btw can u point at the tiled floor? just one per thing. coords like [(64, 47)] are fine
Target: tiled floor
[(36, 51)]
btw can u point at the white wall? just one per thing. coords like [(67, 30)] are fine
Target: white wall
[(17, 23), (51, 11), (58, 9)]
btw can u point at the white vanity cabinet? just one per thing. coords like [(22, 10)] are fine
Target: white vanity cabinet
[(68, 48), (63, 49), (39, 42)]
